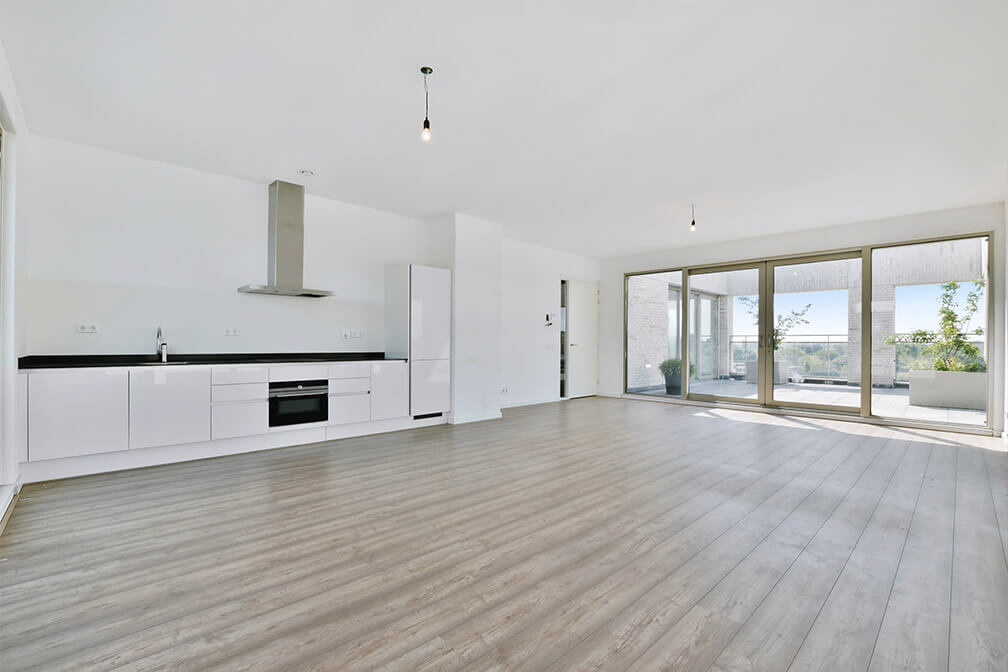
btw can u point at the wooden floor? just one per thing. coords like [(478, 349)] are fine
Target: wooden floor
[(594, 534)]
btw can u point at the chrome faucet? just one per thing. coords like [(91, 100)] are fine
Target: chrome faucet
[(162, 347)]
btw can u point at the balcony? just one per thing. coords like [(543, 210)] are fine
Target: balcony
[(813, 369)]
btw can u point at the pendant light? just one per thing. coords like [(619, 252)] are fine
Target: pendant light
[(692, 224), (425, 134)]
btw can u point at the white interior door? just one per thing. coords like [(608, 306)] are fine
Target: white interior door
[(582, 338)]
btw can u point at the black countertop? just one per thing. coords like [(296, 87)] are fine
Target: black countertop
[(77, 361)]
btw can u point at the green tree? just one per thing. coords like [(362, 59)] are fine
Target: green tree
[(947, 346), (785, 323)]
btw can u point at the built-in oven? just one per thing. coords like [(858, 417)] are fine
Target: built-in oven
[(298, 402)]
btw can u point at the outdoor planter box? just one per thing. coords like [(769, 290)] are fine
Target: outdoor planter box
[(780, 372), (948, 389)]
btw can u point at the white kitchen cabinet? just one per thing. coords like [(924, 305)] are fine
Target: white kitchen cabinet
[(240, 392), (22, 417), (430, 313), (350, 386), (239, 374), (427, 327), (240, 419), (430, 386), (168, 406), (347, 408), (77, 412), (390, 391), (292, 372), (349, 370)]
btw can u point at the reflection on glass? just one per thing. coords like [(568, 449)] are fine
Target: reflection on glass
[(654, 333), (723, 342), (817, 333), (929, 317)]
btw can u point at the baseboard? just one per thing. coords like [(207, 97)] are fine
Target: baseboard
[(8, 500), (532, 403), (84, 465), (455, 420)]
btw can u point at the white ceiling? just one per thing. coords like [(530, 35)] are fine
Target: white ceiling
[(585, 126)]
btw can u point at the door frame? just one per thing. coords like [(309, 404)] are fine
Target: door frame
[(569, 360), (768, 379), (688, 291)]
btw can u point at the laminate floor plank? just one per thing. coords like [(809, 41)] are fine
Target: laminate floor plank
[(501, 576), (658, 632), (979, 612), (596, 534), (913, 634), (770, 638)]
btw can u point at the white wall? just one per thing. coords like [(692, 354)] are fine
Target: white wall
[(975, 219), (476, 319), (130, 244), (530, 288), (15, 130)]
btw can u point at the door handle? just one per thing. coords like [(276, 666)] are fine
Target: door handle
[(573, 344)]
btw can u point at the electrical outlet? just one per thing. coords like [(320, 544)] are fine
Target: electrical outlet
[(357, 333), (86, 328), (505, 390), (230, 331)]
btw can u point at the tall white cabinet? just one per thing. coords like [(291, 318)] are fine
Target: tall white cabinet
[(418, 327)]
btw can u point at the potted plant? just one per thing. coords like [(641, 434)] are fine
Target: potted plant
[(957, 377), (672, 370)]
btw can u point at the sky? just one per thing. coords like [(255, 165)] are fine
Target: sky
[(916, 308)]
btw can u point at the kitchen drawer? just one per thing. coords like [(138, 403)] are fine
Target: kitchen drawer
[(349, 408), (234, 375), (350, 386), (278, 374), (168, 406), (248, 419), (350, 370), (240, 392)]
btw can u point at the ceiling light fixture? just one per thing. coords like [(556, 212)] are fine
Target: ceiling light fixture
[(425, 134), (692, 224)]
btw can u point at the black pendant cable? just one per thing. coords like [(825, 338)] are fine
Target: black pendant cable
[(425, 134), (692, 224)]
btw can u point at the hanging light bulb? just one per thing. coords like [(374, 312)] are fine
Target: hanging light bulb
[(692, 224), (425, 134)]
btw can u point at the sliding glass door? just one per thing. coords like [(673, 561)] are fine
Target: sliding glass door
[(816, 332), (723, 317), (930, 347), (798, 332)]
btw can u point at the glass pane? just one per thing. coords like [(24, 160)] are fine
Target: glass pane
[(654, 333), (723, 333), (817, 333), (929, 317)]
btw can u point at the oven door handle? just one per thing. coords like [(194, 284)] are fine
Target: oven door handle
[(307, 392)]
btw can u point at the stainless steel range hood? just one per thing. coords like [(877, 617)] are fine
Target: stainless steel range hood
[(285, 270)]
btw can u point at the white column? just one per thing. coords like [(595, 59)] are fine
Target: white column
[(9, 470), (476, 292)]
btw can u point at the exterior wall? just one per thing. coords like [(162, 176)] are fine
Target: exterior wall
[(647, 329)]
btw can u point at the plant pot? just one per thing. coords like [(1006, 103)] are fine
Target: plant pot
[(948, 389), (780, 372), (673, 384)]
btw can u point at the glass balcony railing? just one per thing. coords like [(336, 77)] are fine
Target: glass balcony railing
[(825, 356)]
